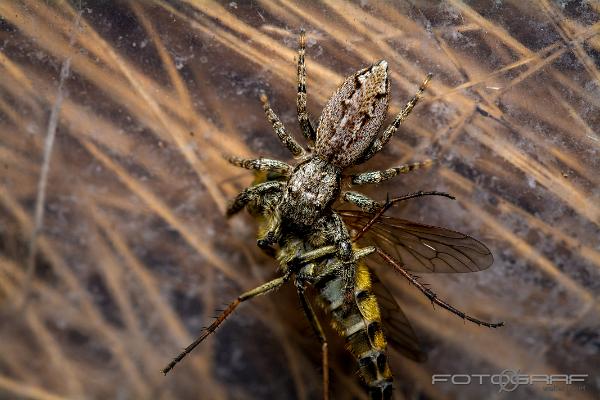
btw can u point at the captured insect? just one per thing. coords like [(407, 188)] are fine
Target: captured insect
[(312, 241)]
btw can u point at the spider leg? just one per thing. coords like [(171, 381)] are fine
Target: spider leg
[(429, 293), (307, 129), (389, 132), (383, 175), (316, 326), (260, 164), (362, 201), (369, 205), (284, 136), (343, 242), (260, 290), (341, 237), (252, 193)]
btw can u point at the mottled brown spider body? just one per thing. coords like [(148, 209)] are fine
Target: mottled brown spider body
[(351, 120), (348, 125), (348, 134)]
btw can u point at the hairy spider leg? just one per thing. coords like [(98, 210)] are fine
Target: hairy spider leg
[(260, 164), (340, 235), (252, 193), (362, 201), (316, 326), (294, 147), (258, 291), (429, 293), (384, 175), (369, 205), (378, 143), (307, 129)]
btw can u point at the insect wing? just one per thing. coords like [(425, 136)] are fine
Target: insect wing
[(397, 329), (421, 248)]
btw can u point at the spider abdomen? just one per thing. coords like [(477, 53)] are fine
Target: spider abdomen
[(353, 115)]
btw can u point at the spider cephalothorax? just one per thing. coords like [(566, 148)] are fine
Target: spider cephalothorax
[(309, 192)]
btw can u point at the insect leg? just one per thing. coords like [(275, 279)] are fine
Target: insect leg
[(380, 176), (261, 164), (339, 265), (389, 132), (307, 129), (260, 290), (309, 256), (429, 293), (314, 323), (284, 136), (249, 194)]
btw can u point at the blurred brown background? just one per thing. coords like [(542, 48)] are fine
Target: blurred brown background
[(133, 254)]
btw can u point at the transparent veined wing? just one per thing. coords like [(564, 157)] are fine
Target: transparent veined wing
[(396, 327), (419, 247)]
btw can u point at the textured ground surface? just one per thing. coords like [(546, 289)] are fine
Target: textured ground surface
[(133, 254)]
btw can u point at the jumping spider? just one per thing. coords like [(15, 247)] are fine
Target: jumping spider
[(347, 135), (293, 205)]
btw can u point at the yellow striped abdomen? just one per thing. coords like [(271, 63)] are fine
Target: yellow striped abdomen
[(360, 324)]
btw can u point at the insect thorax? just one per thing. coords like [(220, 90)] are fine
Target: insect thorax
[(310, 191)]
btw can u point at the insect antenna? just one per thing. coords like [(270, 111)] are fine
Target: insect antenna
[(429, 293), (390, 202)]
